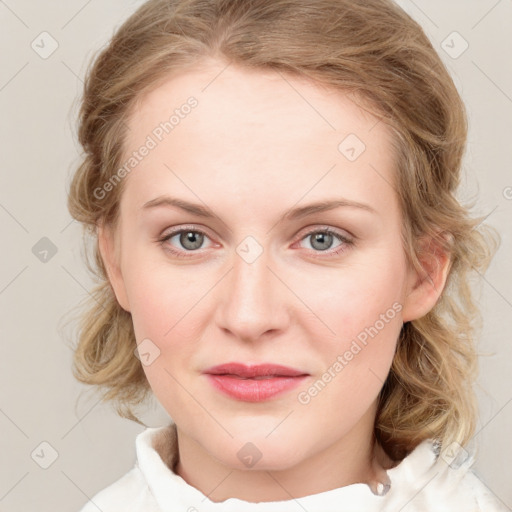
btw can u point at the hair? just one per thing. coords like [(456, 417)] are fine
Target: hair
[(376, 52)]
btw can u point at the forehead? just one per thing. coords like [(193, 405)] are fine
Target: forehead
[(256, 133), (253, 99)]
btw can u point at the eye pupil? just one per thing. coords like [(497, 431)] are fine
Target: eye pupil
[(322, 238), (192, 237)]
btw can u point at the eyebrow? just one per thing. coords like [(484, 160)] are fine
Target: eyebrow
[(292, 214)]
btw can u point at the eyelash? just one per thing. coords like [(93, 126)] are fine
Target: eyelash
[(346, 242)]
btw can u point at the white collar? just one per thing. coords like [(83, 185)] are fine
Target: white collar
[(420, 475)]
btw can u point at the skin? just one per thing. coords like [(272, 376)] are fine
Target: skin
[(258, 144)]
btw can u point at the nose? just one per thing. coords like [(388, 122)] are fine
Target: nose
[(254, 301)]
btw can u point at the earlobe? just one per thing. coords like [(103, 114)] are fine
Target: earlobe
[(426, 287), (109, 255)]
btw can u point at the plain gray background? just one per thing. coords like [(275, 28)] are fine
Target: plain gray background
[(40, 400)]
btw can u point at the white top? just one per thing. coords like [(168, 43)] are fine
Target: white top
[(422, 482)]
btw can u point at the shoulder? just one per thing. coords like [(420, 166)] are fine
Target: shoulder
[(485, 499), (134, 490), (130, 492), (428, 481)]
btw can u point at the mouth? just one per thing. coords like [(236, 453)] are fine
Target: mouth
[(254, 383), (260, 371)]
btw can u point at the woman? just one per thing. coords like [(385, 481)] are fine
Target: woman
[(284, 263)]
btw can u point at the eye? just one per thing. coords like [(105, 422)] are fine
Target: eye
[(321, 240), (189, 240)]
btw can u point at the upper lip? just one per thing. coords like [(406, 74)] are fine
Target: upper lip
[(248, 371)]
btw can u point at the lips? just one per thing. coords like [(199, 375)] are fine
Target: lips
[(259, 371), (255, 383)]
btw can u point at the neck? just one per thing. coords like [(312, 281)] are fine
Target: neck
[(354, 458)]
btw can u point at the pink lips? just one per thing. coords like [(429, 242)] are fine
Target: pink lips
[(254, 383)]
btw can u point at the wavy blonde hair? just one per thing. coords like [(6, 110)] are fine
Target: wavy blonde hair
[(370, 48)]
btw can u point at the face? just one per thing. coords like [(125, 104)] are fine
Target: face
[(252, 273)]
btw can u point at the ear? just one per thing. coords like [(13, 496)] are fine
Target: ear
[(109, 254), (424, 288)]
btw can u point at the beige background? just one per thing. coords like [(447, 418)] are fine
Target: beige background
[(40, 401)]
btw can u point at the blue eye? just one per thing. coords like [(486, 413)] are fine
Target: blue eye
[(189, 239), (192, 239), (322, 240)]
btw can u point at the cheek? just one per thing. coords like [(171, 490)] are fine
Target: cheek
[(355, 297), (151, 309), (356, 365), (165, 308), (360, 311), (160, 307), (159, 295)]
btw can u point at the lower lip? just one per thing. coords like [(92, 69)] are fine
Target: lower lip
[(253, 390)]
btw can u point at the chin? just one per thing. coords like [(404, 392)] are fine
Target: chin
[(258, 451)]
